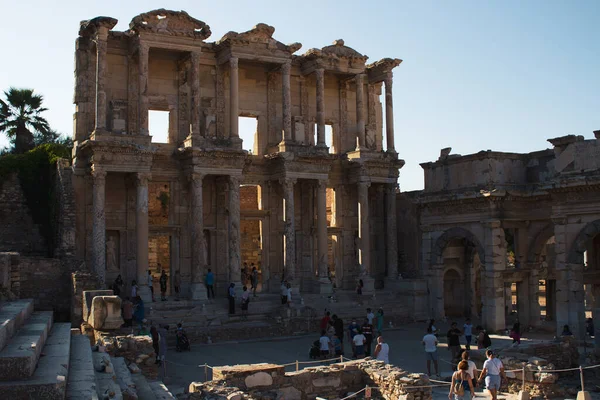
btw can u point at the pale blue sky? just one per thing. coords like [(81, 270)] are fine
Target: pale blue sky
[(477, 75)]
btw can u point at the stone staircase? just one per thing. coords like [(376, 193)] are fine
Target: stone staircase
[(40, 359)]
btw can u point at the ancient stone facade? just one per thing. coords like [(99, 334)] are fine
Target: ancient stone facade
[(129, 189), (508, 236)]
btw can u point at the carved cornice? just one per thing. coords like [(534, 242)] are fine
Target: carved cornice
[(167, 22), (90, 28), (382, 69), (259, 34)]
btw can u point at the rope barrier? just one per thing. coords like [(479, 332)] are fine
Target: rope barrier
[(354, 394)]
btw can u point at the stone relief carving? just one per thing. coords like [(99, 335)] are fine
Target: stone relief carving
[(176, 23)]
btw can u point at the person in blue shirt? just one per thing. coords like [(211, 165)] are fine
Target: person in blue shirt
[(209, 281)]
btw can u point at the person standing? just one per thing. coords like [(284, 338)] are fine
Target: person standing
[(367, 330), (493, 371), (254, 280), (461, 383), (288, 295), (430, 343), (472, 369), (134, 289), (336, 343), (338, 324), (382, 350), (162, 345), (139, 312), (151, 285), (325, 320), (380, 322), (163, 285), (209, 281), (359, 341), (155, 342), (453, 336), (127, 311), (483, 339), (370, 316), (352, 331), (177, 285), (231, 297), (468, 330), (245, 301), (324, 344), (515, 334), (283, 292), (117, 285)]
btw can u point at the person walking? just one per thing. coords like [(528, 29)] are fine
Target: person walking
[(155, 342), (359, 341), (209, 281), (162, 345), (493, 372), (288, 294), (367, 330), (324, 344), (338, 324), (177, 285), (370, 316), (163, 285), (453, 336), (254, 280), (139, 312), (472, 369), (231, 297), (325, 321), (515, 334), (134, 289), (382, 350), (336, 343), (151, 285), (380, 322), (462, 384), (352, 331), (283, 292), (430, 343), (468, 331), (245, 302)]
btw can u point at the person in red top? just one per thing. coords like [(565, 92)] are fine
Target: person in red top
[(325, 321)]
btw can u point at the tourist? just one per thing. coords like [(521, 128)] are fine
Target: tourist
[(472, 369), (589, 327), (209, 281), (430, 343), (515, 334), (566, 331), (162, 348), (177, 285), (134, 289), (380, 322), (155, 342), (338, 324), (493, 371), (483, 339), (462, 383), (468, 331), (359, 341), (139, 313), (254, 280), (382, 350), (245, 301), (283, 292), (370, 316), (117, 285), (288, 295), (352, 331), (330, 329), (151, 285), (163, 285), (336, 343), (325, 320), (367, 330), (325, 344), (231, 297), (182, 342), (432, 327), (359, 287), (244, 273), (453, 336), (127, 312)]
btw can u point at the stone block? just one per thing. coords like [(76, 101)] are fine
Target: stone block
[(105, 313), (88, 296), (258, 379)]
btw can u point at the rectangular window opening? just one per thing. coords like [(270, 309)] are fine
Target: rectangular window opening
[(158, 126), (383, 123), (248, 130), (329, 139)]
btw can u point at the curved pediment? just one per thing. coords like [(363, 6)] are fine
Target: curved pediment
[(90, 27), (175, 23), (259, 34), (337, 50)]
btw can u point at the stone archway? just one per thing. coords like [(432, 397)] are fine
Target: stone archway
[(580, 243), (455, 233)]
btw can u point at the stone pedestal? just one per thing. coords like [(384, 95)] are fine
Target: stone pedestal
[(105, 313)]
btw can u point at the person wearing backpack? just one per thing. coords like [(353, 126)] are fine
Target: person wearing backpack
[(462, 384), (493, 371), (483, 339)]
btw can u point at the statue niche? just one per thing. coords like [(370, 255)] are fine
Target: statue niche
[(112, 251)]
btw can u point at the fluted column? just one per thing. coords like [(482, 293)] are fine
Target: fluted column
[(320, 75), (287, 101), (143, 51), (234, 230), (363, 229), (234, 98), (195, 89), (198, 290), (391, 244), (289, 228), (360, 112), (141, 233), (322, 248), (101, 45), (99, 224), (389, 114), (533, 297)]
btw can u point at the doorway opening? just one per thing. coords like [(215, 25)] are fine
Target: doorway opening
[(158, 125), (248, 131), (159, 259), (251, 234), (453, 294)]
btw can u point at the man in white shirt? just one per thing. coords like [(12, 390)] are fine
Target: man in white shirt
[(359, 341), (430, 343), (472, 370)]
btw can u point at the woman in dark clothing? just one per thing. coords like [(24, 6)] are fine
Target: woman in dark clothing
[(155, 339), (117, 285)]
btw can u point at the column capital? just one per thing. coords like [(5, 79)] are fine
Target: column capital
[(287, 181), (363, 184), (559, 219), (143, 48), (389, 79), (360, 78), (195, 176), (98, 173), (286, 67), (320, 73), (234, 180), (322, 183), (234, 62), (391, 188), (142, 178), (195, 57)]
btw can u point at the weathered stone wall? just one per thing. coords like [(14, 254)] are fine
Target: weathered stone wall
[(9, 276), (80, 281), (409, 236), (65, 210), (18, 232), (269, 381)]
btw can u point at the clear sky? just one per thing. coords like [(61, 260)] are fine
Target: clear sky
[(477, 75)]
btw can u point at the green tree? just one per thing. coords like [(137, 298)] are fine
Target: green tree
[(20, 118)]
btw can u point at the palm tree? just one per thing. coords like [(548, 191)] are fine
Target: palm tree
[(20, 117)]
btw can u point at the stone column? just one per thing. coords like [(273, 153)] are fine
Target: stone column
[(101, 45), (199, 262), (391, 244), (364, 253), (235, 275), (524, 302), (320, 75), (289, 228), (360, 112), (234, 98), (195, 94), (287, 101), (533, 300), (389, 114), (596, 312), (562, 275), (495, 264), (141, 232), (436, 292), (99, 224), (576, 300), (143, 51), (325, 286)]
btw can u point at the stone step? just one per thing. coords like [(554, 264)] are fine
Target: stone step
[(20, 356), (13, 315), (81, 384), (160, 391), (106, 379), (49, 381), (142, 387), (128, 389)]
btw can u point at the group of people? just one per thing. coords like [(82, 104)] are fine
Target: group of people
[(360, 337), (118, 284), (462, 386)]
